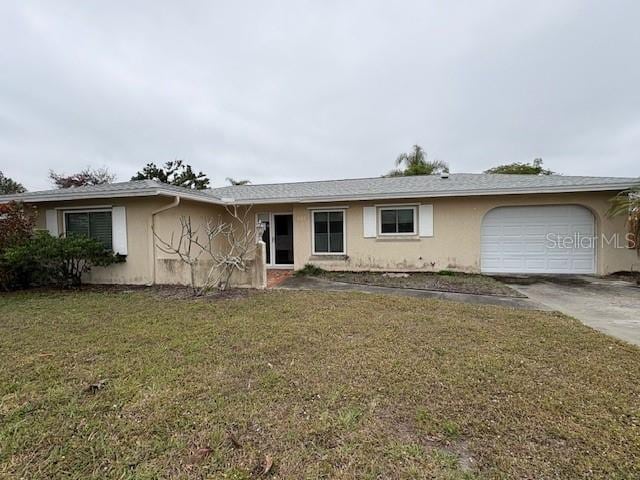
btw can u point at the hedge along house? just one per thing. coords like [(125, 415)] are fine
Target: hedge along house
[(519, 224)]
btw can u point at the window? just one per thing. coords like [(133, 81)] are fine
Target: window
[(328, 232), (398, 221), (96, 225)]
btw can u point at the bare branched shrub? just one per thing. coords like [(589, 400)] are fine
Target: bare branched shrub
[(227, 243)]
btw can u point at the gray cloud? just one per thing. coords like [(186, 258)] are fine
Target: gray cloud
[(276, 91)]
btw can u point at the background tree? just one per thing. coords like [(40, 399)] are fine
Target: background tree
[(237, 182), (416, 163), (9, 186), (176, 173), (628, 203), (519, 168), (87, 176)]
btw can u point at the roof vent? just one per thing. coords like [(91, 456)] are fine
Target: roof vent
[(444, 175)]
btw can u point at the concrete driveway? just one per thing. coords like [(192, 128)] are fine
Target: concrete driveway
[(610, 306)]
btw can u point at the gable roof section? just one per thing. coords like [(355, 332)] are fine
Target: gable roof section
[(378, 188), (459, 184), (136, 188)]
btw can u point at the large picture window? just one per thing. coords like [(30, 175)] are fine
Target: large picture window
[(397, 221), (96, 225), (328, 232)]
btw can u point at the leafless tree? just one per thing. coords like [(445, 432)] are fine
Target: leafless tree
[(228, 243), (86, 176)]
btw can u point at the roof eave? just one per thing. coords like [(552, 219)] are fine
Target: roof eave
[(70, 196), (450, 193), (147, 192)]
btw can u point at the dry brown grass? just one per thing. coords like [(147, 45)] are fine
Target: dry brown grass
[(327, 385)]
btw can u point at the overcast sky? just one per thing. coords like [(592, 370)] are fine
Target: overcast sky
[(284, 91)]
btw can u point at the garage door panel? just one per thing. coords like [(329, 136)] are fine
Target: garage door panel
[(535, 263), (493, 230), (559, 229), (510, 247), (540, 229), (583, 264), (511, 230), (490, 262), (519, 240), (533, 248), (559, 263), (512, 262)]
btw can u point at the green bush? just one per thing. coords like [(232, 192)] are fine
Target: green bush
[(310, 270), (44, 259), (446, 273), (16, 228)]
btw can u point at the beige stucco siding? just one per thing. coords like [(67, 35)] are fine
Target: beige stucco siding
[(138, 269), (455, 243)]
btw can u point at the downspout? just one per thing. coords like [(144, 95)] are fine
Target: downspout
[(173, 204)]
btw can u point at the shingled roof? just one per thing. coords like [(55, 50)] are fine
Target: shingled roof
[(135, 188), (455, 185)]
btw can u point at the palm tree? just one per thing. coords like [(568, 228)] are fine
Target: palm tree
[(237, 182), (416, 163), (628, 203)]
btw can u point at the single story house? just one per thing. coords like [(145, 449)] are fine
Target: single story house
[(520, 224)]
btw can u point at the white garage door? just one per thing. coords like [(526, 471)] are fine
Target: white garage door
[(542, 239)]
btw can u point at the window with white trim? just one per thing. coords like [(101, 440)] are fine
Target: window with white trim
[(397, 220), (328, 232), (93, 224)]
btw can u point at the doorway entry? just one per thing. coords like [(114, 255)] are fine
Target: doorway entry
[(278, 237)]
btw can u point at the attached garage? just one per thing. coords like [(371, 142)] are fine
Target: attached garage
[(538, 239)]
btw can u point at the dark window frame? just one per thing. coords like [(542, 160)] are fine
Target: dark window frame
[(329, 251), (396, 209), (108, 245)]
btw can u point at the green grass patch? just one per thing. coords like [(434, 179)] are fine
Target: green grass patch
[(310, 270), (323, 385)]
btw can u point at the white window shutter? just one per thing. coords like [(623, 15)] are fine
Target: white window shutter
[(51, 217), (119, 230), (425, 221), (369, 221)]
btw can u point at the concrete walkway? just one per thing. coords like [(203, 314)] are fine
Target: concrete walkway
[(610, 306), (314, 283)]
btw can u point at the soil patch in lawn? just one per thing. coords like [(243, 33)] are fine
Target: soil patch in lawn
[(440, 282)]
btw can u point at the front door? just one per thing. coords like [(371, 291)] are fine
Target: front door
[(278, 237), (282, 239)]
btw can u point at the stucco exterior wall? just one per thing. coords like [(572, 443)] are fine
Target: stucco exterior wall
[(455, 244), (138, 269)]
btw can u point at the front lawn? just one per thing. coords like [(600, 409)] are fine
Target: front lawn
[(445, 281), (308, 385)]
